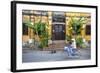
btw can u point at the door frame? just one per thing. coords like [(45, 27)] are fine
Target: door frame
[(64, 31)]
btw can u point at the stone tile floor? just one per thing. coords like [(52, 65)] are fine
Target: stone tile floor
[(42, 56)]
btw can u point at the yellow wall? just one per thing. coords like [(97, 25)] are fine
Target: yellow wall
[(25, 38), (50, 23), (48, 20)]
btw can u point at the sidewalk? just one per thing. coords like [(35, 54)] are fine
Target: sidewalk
[(40, 56)]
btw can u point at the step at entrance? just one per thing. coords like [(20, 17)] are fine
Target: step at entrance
[(56, 45)]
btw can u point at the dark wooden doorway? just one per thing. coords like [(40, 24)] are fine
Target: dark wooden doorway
[(58, 32)]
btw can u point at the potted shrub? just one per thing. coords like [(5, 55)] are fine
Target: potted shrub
[(40, 31), (76, 26)]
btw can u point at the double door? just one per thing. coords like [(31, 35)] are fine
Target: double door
[(58, 32)]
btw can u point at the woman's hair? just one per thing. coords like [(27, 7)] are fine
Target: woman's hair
[(70, 42)]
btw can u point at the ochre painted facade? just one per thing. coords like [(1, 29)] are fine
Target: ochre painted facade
[(48, 20)]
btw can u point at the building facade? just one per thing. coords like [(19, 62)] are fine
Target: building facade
[(57, 23)]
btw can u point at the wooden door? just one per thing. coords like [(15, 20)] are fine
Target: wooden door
[(58, 32)]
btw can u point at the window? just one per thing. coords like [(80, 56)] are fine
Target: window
[(58, 17), (25, 29), (88, 30)]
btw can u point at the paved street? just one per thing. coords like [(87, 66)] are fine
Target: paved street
[(40, 56)]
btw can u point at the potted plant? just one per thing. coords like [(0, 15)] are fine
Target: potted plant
[(75, 28), (41, 33)]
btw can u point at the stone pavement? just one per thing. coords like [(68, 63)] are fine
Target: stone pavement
[(42, 56)]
